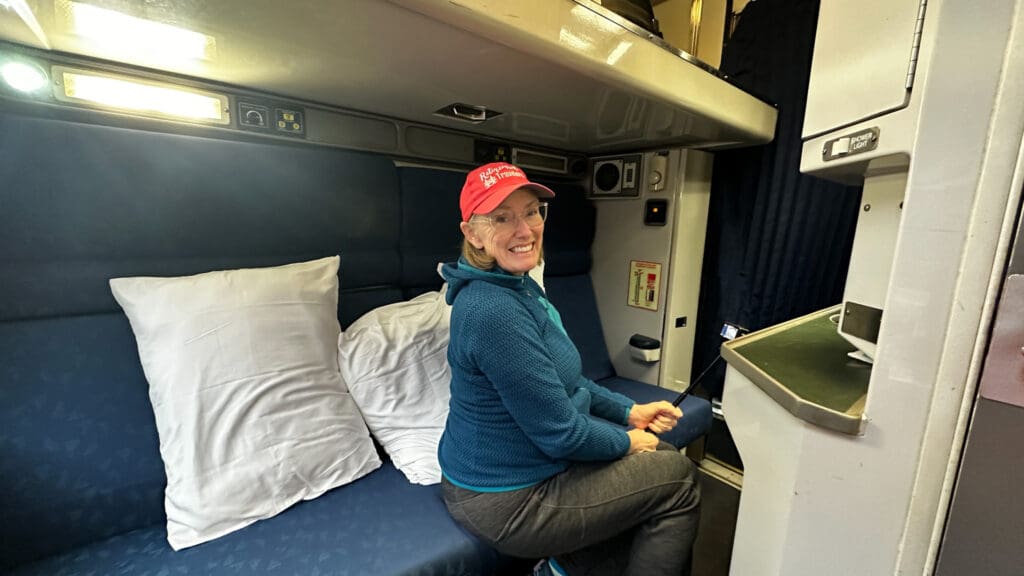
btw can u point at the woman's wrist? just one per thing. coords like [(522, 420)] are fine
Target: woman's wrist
[(633, 416)]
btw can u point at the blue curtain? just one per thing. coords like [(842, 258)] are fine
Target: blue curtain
[(778, 241)]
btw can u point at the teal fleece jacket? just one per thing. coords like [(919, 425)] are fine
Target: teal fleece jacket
[(520, 408)]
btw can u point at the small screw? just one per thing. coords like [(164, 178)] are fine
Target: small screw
[(867, 207)]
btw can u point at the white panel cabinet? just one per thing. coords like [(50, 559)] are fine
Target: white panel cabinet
[(861, 65)]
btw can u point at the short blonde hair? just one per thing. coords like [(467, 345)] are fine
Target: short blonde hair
[(477, 257)]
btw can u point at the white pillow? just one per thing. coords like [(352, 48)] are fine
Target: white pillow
[(250, 408), (394, 361), (537, 273)]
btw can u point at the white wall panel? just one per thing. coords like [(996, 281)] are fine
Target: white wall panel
[(860, 64)]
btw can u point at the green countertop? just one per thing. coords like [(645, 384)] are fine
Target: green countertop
[(803, 365)]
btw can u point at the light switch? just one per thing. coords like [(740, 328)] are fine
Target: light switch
[(840, 147), (859, 142)]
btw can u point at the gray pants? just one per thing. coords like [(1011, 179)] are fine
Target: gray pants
[(637, 515)]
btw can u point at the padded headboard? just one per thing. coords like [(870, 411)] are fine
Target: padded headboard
[(84, 203), (79, 204)]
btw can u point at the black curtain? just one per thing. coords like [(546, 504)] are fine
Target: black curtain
[(778, 241)]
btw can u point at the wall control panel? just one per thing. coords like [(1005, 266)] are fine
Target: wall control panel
[(616, 176), (863, 141), (268, 118)]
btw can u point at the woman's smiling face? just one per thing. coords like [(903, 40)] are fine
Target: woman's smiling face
[(517, 248)]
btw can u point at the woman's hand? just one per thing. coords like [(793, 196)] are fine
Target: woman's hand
[(656, 417), (641, 441)]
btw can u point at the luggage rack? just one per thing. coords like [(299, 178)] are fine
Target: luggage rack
[(645, 33)]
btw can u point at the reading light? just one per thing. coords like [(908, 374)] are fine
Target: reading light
[(142, 97), (22, 76), (128, 37)]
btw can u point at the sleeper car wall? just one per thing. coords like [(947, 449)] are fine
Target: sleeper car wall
[(81, 203)]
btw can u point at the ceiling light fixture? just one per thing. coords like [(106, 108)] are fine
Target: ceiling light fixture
[(23, 77), (145, 98)]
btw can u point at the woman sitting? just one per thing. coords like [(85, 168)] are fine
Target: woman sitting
[(534, 456)]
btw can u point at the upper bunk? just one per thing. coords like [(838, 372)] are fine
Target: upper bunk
[(402, 77)]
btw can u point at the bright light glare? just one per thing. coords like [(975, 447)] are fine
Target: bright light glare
[(575, 41), (23, 77), (144, 98), (595, 20), (24, 11), (136, 38), (618, 53)]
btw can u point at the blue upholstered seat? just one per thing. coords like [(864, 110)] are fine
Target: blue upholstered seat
[(380, 524)]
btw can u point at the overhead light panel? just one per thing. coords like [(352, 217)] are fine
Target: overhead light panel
[(23, 76), (130, 38), (142, 97)]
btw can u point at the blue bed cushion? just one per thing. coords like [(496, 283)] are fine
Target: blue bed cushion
[(696, 420), (380, 524)]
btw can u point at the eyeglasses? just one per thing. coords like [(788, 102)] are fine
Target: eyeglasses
[(508, 221)]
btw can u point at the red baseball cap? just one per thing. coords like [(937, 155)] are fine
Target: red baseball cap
[(489, 185)]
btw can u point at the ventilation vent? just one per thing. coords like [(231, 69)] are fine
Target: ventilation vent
[(467, 112), (532, 159)]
